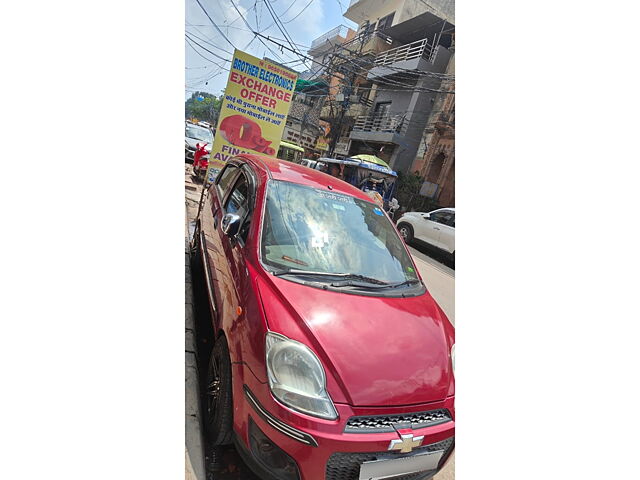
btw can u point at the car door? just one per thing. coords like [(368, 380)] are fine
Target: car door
[(427, 228), (216, 266), (242, 320), (447, 238)]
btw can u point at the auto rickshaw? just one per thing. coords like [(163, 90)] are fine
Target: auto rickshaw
[(369, 177)]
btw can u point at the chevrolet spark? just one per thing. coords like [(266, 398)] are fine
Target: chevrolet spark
[(331, 360)]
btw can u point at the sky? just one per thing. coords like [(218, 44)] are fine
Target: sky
[(314, 17)]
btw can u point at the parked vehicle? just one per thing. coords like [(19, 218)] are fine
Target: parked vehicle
[(290, 151), (367, 176), (331, 359), (437, 228), (194, 134), (315, 164)]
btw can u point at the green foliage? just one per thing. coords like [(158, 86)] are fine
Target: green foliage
[(408, 193), (206, 110)]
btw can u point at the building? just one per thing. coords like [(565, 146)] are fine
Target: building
[(413, 40), (302, 127), (323, 51), (436, 157), (303, 121)]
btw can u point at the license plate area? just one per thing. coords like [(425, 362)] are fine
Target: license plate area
[(390, 468)]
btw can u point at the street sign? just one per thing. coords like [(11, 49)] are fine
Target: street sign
[(254, 109)]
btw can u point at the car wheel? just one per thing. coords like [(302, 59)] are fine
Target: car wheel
[(406, 232), (218, 395)]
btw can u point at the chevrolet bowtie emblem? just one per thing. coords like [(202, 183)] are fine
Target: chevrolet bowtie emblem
[(407, 443)]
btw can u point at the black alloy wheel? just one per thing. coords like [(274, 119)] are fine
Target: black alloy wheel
[(218, 395)]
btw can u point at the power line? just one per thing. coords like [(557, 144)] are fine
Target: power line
[(214, 24), (188, 36), (194, 49), (280, 27), (300, 13), (249, 26), (208, 42), (301, 45)]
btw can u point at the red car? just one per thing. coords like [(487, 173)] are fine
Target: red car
[(331, 359)]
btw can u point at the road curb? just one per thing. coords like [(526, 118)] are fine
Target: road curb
[(194, 445)]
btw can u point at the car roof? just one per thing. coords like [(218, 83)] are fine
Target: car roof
[(294, 173)]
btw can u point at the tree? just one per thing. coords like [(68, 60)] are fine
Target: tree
[(408, 193), (204, 106)]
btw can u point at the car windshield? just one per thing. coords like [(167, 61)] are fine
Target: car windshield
[(198, 134), (317, 230)]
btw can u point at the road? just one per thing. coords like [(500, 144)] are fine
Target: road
[(224, 464), (440, 280)]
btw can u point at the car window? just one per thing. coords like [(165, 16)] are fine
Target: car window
[(442, 217), (238, 203), (452, 221), (225, 177), (323, 231)]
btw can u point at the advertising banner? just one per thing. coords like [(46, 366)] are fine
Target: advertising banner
[(323, 140), (254, 110)]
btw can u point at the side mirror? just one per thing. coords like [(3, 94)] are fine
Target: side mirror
[(426, 216), (230, 224)]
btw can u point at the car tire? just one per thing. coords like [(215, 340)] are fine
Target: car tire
[(218, 395), (406, 232)]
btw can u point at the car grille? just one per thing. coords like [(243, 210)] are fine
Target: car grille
[(346, 465), (388, 423)]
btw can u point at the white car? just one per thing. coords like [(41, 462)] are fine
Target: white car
[(436, 228)]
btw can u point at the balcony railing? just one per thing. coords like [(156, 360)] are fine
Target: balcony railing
[(340, 30), (417, 49), (381, 123)]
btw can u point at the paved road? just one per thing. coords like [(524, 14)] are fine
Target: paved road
[(440, 280), (224, 464)]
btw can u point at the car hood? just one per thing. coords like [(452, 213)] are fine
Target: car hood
[(376, 351)]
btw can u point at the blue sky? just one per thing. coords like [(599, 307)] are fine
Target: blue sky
[(315, 18)]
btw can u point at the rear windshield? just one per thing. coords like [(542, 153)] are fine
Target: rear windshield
[(198, 133), (316, 229)]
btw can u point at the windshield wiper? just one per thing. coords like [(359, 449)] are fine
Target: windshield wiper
[(346, 276), (379, 285), (407, 282)]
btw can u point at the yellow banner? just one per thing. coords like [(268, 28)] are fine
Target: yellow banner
[(323, 140), (254, 110)]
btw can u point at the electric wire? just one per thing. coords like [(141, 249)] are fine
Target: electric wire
[(300, 13), (214, 24)]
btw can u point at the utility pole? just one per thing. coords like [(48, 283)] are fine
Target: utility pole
[(346, 92)]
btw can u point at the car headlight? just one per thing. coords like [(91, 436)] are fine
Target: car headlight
[(297, 378), (453, 358)]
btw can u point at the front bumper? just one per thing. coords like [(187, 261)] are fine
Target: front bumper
[(321, 449), (188, 155)]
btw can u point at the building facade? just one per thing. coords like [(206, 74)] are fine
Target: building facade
[(405, 75), (385, 82), (436, 157)]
